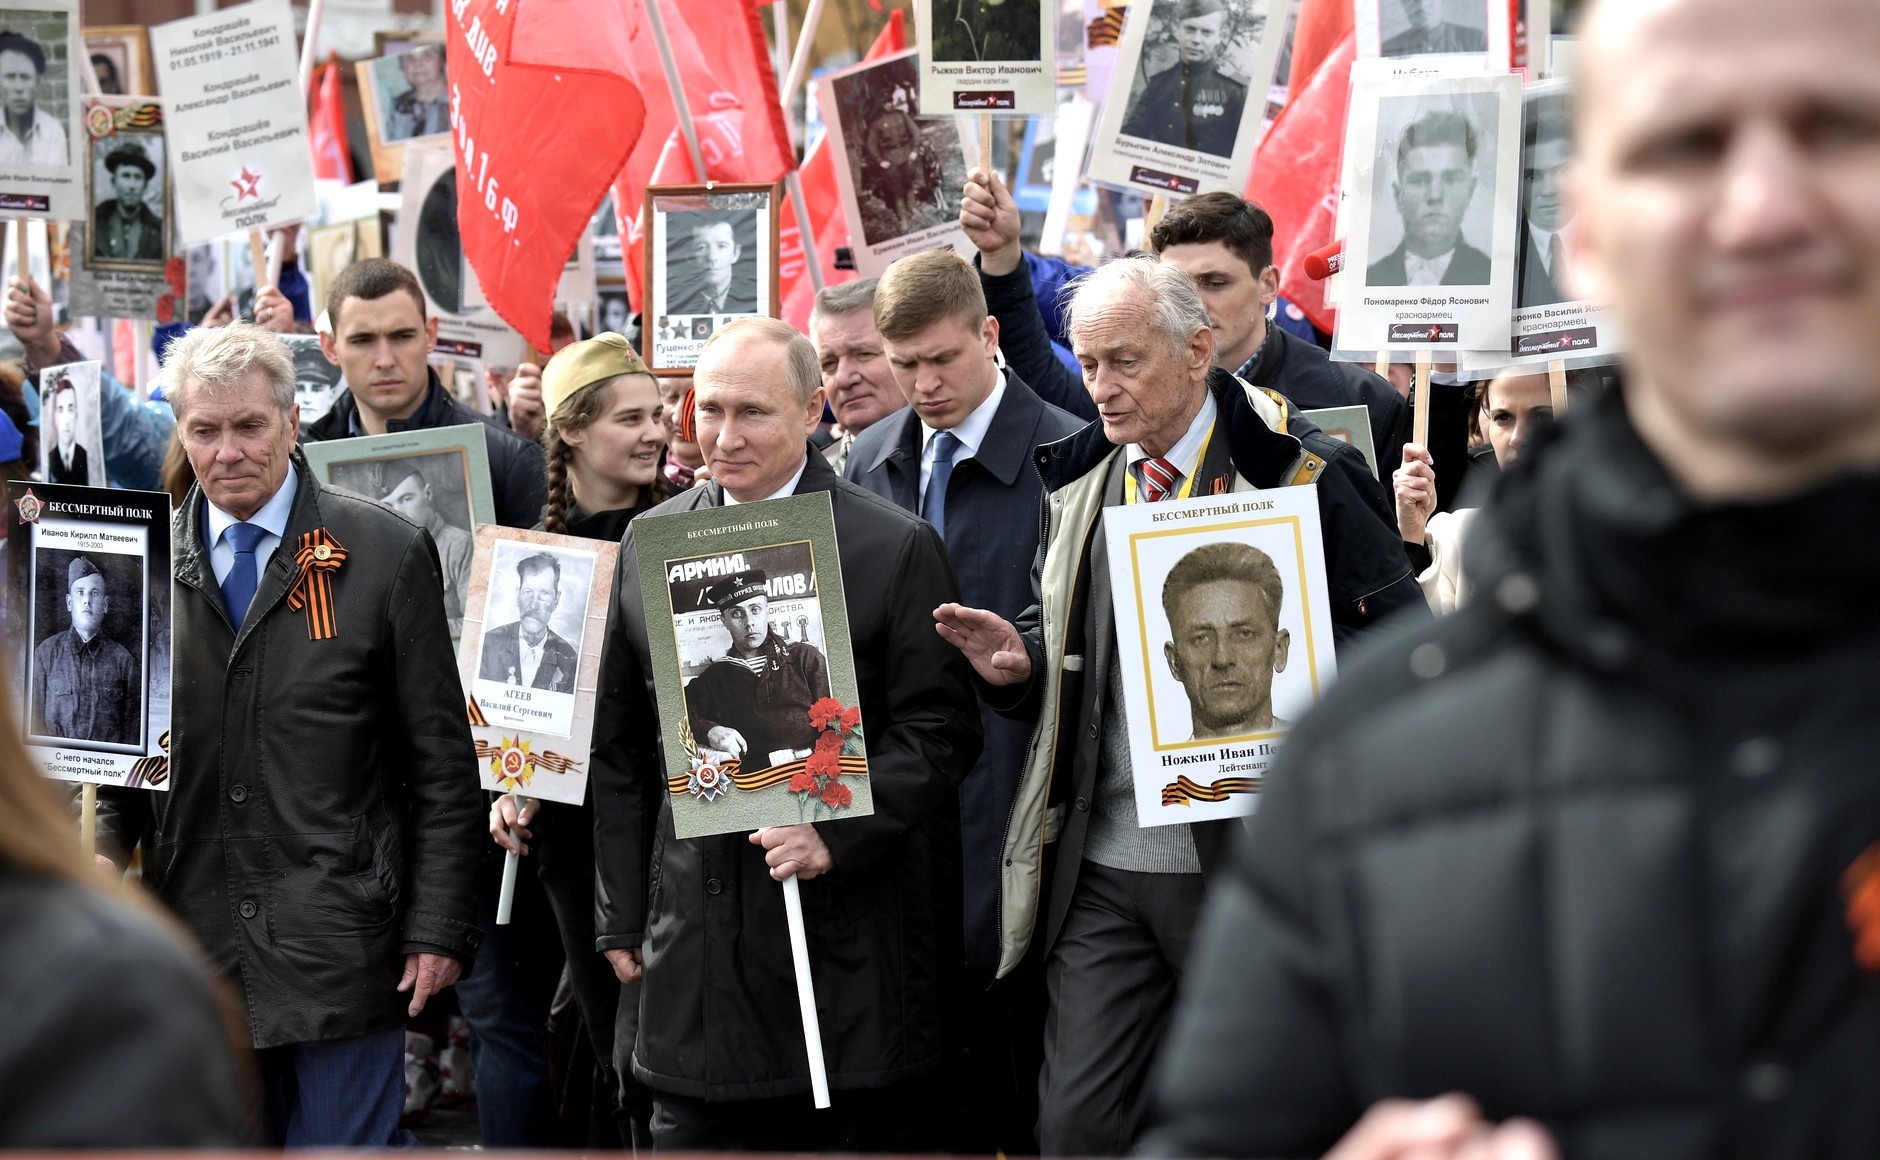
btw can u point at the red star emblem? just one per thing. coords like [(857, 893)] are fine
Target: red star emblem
[(247, 185)]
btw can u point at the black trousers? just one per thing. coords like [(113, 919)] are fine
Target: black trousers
[(1110, 979), (881, 1120)]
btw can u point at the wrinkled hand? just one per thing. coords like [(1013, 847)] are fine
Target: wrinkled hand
[(29, 317), (726, 740), (794, 850), (1415, 486), (221, 314), (526, 416), (990, 643), (507, 818), (274, 311), (626, 963), (990, 218), (1449, 1128), (425, 975)]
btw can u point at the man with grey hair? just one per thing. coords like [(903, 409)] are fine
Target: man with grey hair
[(1120, 901), (855, 375), (720, 1043), (324, 823)]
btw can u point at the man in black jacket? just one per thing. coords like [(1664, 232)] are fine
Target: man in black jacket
[(1225, 244), (323, 818), (1603, 848), (380, 339), (720, 1040)]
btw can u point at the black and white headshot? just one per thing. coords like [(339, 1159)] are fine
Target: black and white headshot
[(1546, 223), (1186, 93), (107, 65), (34, 93), (87, 685), (71, 441), (711, 262), (317, 379), (128, 209), (614, 312), (1225, 642), (905, 169), (526, 650), (433, 492), (1432, 27), (985, 30), (1439, 153), (204, 277), (413, 94)]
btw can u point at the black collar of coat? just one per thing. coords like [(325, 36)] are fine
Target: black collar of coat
[(1002, 452), (817, 476), (1257, 453), (434, 411)]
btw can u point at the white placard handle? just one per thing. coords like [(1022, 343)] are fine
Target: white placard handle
[(805, 992)]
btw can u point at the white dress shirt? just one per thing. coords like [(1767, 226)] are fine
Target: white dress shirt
[(44, 143), (1426, 271), (272, 518), (1544, 245), (1185, 455), (971, 432), (531, 656), (787, 489)]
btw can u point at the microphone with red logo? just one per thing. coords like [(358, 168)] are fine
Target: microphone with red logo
[(1324, 262)]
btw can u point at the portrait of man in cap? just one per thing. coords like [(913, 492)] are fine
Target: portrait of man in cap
[(1225, 644), (1191, 104), (526, 651), (124, 227), (421, 494), (86, 686), (754, 702), (28, 134)]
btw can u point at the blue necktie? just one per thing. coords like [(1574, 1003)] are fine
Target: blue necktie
[(933, 507), (238, 587)]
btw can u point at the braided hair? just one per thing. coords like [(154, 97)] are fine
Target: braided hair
[(576, 412)]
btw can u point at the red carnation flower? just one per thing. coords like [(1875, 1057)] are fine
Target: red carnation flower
[(835, 795), (829, 742), (823, 765), (850, 719), (825, 712), (803, 782)]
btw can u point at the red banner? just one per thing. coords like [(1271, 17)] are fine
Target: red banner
[(544, 112), (326, 128), (1295, 177)]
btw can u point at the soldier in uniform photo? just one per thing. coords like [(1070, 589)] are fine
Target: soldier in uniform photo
[(85, 685), (410, 495), (1225, 643), (711, 245), (527, 652), (66, 462), (1429, 33), (1191, 104), (28, 134), (755, 702), (985, 30), (124, 226), (1436, 178)]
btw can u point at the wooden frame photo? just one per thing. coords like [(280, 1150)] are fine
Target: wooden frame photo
[(711, 257), (121, 55), (128, 163)]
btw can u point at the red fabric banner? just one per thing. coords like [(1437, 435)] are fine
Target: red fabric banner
[(1295, 177), (332, 158), (1321, 25), (544, 112)]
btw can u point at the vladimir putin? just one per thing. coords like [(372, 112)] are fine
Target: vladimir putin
[(123, 226), (527, 652), (84, 683), (1225, 643), (1435, 181), (1191, 104), (714, 251)]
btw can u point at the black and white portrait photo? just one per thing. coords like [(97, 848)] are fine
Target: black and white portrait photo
[(439, 246), (711, 262), (1225, 645), (613, 312), (1432, 27), (1546, 219), (433, 492), (985, 30), (203, 275), (712, 257), (35, 93), (87, 675), (533, 620), (120, 56), (317, 379), (1435, 225), (71, 434), (906, 169), (413, 94), (1187, 90), (129, 209)]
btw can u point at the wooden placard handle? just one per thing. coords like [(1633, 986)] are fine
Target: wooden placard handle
[(1420, 402), (1557, 384), (19, 244)]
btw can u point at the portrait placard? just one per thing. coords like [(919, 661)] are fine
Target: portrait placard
[(127, 226), (712, 257), (71, 425), (530, 658), (317, 379), (120, 57), (427, 242), (238, 148), (1224, 633), (42, 170), (88, 630), (438, 479), (124, 293), (1352, 425), (1483, 29), (405, 97), (1178, 118), (748, 635), (1434, 164), (901, 174), (991, 57), (331, 248)]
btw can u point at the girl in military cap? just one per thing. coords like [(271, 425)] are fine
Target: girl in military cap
[(603, 438)]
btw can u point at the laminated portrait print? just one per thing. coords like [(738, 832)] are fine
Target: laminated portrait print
[(747, 632), (88, 630), (1550, 320), (1432, 164), (530, 658), (428, 243), (1187, 95), (1224, 638), (901, 173), (317, 379), (237, 140), (42, 159), (405, 98), (993, 57), (1400, 29), (711, 259), (71, 426)]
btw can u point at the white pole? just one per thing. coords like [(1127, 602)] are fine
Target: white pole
[(780, 23), (805, 232), (506, 894), (799, 64), (805, 992), (315, 9), (679, 102)]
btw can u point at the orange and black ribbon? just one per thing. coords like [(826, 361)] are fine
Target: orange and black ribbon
[(152, 770), (853, 765), (546, 760), (1182, 791), (317, 558)]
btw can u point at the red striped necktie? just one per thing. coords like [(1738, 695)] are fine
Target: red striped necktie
[(1159, 478)]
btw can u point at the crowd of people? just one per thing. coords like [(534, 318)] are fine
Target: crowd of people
[(1575, 858)]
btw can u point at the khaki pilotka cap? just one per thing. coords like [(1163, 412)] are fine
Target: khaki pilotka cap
[(582, 364)]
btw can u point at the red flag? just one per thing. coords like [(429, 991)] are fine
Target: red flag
[(1295, 177), (544, 112), (1321, 25), (332, 159), (825, 206)]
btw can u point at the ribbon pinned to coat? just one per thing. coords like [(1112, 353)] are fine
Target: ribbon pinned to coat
[(316, 559)]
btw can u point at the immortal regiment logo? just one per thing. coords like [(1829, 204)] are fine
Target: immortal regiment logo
[(246, 185), (30, 507), (1415, 332)]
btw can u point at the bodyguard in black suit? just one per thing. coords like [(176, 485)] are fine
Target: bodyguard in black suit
[(961, 456)]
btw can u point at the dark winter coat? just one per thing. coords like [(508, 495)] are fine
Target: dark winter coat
[(1587, 850), (324, 819), (719, 1013)]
